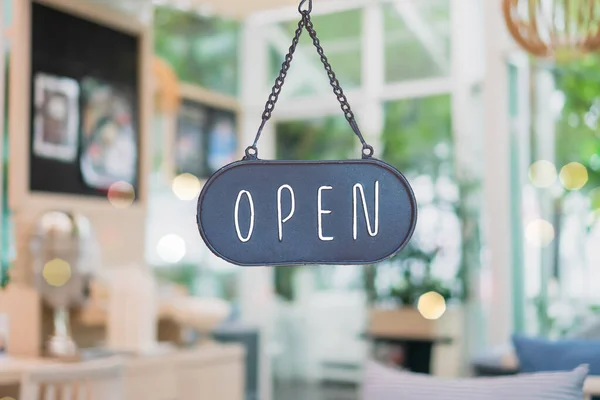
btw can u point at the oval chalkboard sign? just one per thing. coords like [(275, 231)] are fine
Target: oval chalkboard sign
[(256, 212)]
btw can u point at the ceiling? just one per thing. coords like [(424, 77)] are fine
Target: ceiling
[(237, 9), (242, 8)]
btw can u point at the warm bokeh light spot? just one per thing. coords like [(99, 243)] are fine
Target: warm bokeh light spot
[(542, 174), (539, 233), (171, 248), (121, 194), (431, 305), (573, 176), (186, 186), (56, 272)]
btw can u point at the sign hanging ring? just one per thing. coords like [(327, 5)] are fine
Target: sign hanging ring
[(308, 10)]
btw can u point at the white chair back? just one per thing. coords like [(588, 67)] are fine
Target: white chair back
[(94, 380)]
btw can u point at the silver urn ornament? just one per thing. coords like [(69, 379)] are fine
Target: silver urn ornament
[(65, 255)]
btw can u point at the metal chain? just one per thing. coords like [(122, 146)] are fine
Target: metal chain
[(335, 84), (252, 151)]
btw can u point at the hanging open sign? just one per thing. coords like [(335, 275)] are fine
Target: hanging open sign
[(284, 213), (255, 212)]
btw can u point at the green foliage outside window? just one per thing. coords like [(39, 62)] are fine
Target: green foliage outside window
[(577, 139), (328, 138), (202, 51), (413, 130), (578, 128), (417, 139)]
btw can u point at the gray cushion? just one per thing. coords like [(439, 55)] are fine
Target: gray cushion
[(383, 383)]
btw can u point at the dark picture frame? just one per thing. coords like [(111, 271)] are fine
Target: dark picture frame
[(206, 136)]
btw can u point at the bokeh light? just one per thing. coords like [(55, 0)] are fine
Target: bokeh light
[(56, 272), (186, 186), (431, 305), (121, 194), (573, 176), (539, 233), (542, 174), (171, 248)]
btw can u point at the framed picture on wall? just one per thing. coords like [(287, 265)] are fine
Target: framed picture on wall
[(56, 118), (190, 146), (108, 136), (206, 133), (222, 139)]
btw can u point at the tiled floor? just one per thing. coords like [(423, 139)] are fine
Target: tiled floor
[(311, 391)]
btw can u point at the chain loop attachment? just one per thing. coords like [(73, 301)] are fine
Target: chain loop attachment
[(367, 151), (308, 10), (251, 153)]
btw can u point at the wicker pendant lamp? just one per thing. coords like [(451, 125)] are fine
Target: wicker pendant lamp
[(557, 29)]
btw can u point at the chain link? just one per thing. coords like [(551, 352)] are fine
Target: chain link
[(270, 106), (306, 22), (335, 83)]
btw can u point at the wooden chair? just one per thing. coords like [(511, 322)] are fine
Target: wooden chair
[(94, 380)]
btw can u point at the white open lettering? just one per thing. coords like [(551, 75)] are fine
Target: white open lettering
[(358, 187), (237, 216), (321, 212), (280, 221)]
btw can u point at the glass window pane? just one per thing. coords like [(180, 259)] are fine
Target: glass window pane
[(417, 139), (203, 51), (340, 37), (328, 138), (561, 197), (417, 136), (417, 39)]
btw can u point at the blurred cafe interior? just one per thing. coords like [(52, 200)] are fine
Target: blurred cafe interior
[(115, 113)]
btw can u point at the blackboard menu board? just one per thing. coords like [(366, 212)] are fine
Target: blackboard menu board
[(84, 105)]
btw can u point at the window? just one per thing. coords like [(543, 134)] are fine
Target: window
[(560, 197), (417, 39), (203, 51), (402, 93), (327, 138), (339, 35)]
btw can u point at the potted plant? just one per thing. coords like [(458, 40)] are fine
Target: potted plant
[(396, 311)]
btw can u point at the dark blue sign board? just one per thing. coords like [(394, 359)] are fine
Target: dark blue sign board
[(256, 212)]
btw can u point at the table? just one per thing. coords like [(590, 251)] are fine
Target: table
[(211, 371), (11, 369), (417, 350)]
